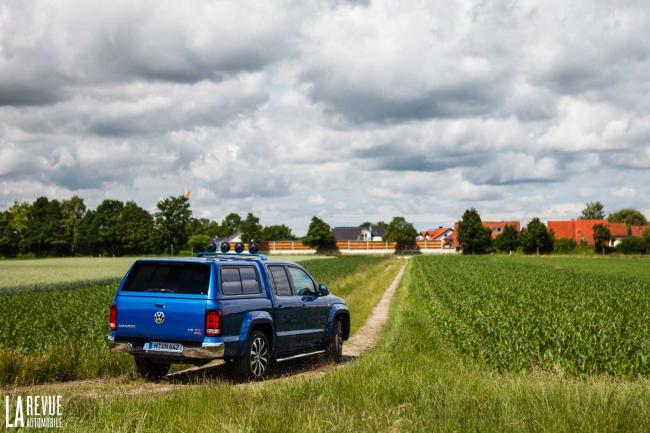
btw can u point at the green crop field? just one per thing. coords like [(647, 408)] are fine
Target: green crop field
[(59, 334), (414, 381), (573, 316)]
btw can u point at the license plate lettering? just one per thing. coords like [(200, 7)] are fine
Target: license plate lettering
[(157, 346)]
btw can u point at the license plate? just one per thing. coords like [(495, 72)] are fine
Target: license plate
[(156, 346)]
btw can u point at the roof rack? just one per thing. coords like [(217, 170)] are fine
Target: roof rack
[(231, 255)]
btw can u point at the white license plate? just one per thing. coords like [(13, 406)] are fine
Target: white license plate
[(156, 346)]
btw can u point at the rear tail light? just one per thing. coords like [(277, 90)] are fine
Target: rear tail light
[(212, 323), (112, 318)]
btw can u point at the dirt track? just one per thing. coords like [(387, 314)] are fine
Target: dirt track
[(363, 340)]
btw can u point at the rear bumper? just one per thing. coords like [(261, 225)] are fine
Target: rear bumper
[(207, 350)]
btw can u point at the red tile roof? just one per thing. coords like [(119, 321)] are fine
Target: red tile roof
[(435, 233), (638, 230), (580, 230)]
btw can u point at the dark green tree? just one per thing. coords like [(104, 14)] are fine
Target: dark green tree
[(199, 242), (535, 238), (204, 226), (632, 245), (250, 228), (136, 230), (172, 224), (508, 240), (319, 235), (230, 225), (646, 239), (108, 222), (602, 236), (13, 223), (564, 246), (277, 233), (366, 224), (44, 233), (87, 242), (631, 217), (473, 237), (593, 211), (401, 231), (74, 210)]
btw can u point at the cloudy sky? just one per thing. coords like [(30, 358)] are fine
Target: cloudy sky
[(351, 111)]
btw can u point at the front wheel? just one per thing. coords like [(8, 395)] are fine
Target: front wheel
[(257, 357), (334, 349), (149, 369)]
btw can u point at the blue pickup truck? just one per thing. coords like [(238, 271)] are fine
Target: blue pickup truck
[(240, 307)]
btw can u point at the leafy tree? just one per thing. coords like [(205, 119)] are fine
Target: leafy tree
[(108, 222), (251, 229), (535, 238), (44, 233), (87, 242), (277, 233), (473, 237), (508, 240), (204, 226), (401, 231), (172, 223), (199, 242), (646, 239), (230, 225), (593, 211), (564, 246), (602, 236), (631, 217), (74, 210), (13, 223), (366, 224), (136, 230), (319, 235), (632, 245)]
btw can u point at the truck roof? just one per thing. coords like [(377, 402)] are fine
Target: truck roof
[(221, 258)]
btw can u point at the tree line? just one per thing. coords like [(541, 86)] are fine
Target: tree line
[(114, 228), (67, 228), (535, 238)]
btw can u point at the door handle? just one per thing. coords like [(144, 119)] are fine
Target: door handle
[(304, 306), (280, 307)]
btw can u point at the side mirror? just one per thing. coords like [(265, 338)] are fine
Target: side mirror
[(323, 289)]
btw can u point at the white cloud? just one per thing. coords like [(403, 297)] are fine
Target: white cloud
[(354, 110)]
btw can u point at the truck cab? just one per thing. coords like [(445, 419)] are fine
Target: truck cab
[(242, 308)]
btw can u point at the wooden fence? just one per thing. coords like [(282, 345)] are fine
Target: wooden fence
[(354, 247)]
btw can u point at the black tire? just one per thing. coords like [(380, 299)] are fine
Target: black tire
[(334, 349), (256, 360), (149, 369)]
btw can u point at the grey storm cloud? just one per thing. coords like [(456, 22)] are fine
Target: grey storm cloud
[(346, 109)]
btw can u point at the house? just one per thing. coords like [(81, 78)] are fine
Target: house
[(439, 234), (365, 233), (638, 230), (496, 228), (582, 231)]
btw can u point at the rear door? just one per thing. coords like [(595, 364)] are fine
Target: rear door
[(164, 301), (287, 311)]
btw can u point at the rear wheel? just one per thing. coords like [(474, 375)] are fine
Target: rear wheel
[(334, 349), (149, 369), (257, 357)]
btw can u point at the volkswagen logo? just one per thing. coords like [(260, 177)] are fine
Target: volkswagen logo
[(159, 317)]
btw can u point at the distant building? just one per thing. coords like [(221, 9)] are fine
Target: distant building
[(366, 233), (582, 231), (496, 228), (638, 230), (439, 234)]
